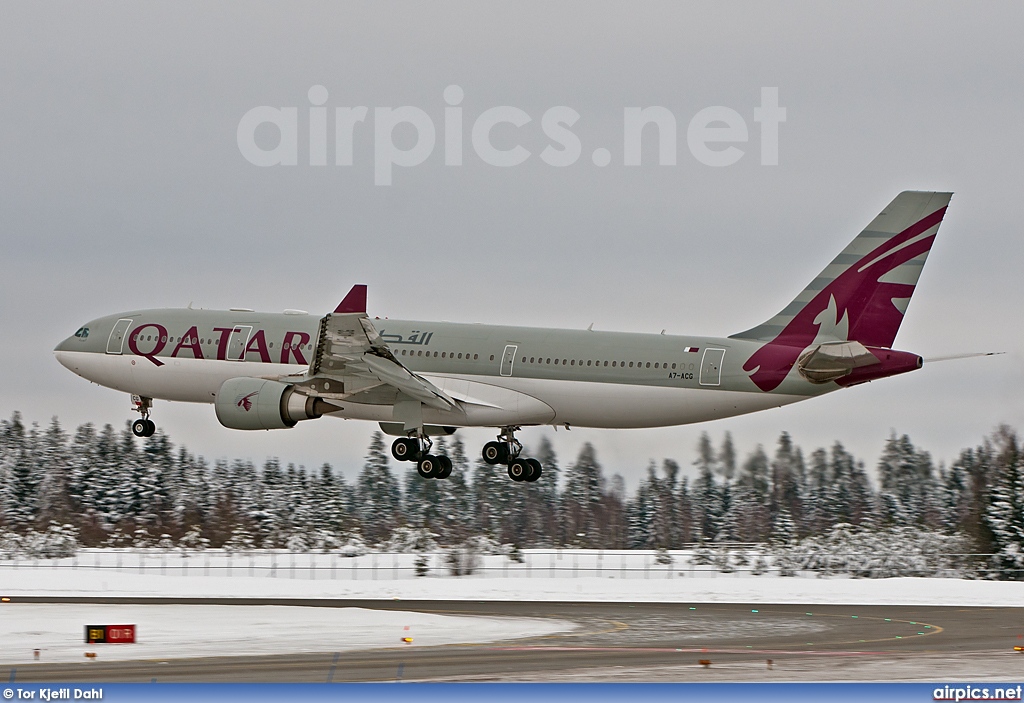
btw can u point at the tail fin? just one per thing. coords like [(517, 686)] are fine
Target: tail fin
[(863, 294)]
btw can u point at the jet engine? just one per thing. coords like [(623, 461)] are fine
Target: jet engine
[(258, 404)]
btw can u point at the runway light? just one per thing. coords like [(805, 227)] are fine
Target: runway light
[(888, 619), (912, 622), (90, 655), (5, 599), (808, 613), (753, 611), (854, 617), (706, 663), (692, 608), (407, 640), (1018, 649)]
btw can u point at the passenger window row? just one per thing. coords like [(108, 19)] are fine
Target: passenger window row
[(591, 362), (550, 361), (443, 355)]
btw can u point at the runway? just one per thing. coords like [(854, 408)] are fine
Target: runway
[(620, 641)]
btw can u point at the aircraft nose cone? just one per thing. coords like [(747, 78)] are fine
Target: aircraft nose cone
[(62, 356)]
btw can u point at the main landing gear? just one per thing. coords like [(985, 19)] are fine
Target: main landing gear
[(143, 427), (418, 449), (506, 451)]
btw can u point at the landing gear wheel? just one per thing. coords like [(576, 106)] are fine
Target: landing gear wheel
[(520, 470), (143, 427), (405, 449), (496, 453), (429, 466), (446, 466), (537, 470)]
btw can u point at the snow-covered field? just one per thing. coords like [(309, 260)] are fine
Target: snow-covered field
[(166, 631), (556, 575)]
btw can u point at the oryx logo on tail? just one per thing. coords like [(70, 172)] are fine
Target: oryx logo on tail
[(861, 296)]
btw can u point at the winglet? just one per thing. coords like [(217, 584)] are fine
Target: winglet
[(355, 301)]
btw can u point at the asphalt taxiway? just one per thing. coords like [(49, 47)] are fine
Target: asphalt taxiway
[(619, 641)]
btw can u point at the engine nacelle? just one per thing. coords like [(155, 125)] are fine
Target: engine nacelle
[(258, 404)]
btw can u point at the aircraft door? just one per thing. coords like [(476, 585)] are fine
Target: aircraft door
[(508, 359), (711, 367), (115, 342), (238, 341)]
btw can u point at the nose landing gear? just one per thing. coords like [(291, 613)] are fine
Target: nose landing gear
[(143, 427), (506, 451)]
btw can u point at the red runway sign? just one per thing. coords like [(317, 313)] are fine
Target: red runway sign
[(110, 634)]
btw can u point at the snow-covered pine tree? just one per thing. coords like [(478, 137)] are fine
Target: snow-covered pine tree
[(728, 524), (956, 498), (53, 467), (684, 509), (751, 504), (547, 491), (788, 479), (726, 458), (424, 498), (1004, 515), (582, 499), (328, 510), (908, 486), (378, 505), (640, 513), (670, 530), (784, 528), (850, 497), (21, 491), (707, 497), (818, 517), (488, 498), (454, 509)]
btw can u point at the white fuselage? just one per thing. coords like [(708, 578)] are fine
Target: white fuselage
[(500, 376)]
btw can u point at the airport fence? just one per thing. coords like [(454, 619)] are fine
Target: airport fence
[(737, 562)]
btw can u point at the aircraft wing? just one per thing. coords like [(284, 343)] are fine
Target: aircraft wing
[(352, 362)]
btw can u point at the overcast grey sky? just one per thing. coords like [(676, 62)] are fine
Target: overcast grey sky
[(122, 186)]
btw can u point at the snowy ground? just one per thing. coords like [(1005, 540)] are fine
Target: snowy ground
[(555, 575), (166, 631), (171, 631)]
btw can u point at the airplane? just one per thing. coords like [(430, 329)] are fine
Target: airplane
[(419, 380)]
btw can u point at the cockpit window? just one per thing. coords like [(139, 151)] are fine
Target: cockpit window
[(82, 332)]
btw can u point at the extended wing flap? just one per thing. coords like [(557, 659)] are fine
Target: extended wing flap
[(394, 374), (351, 357)]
